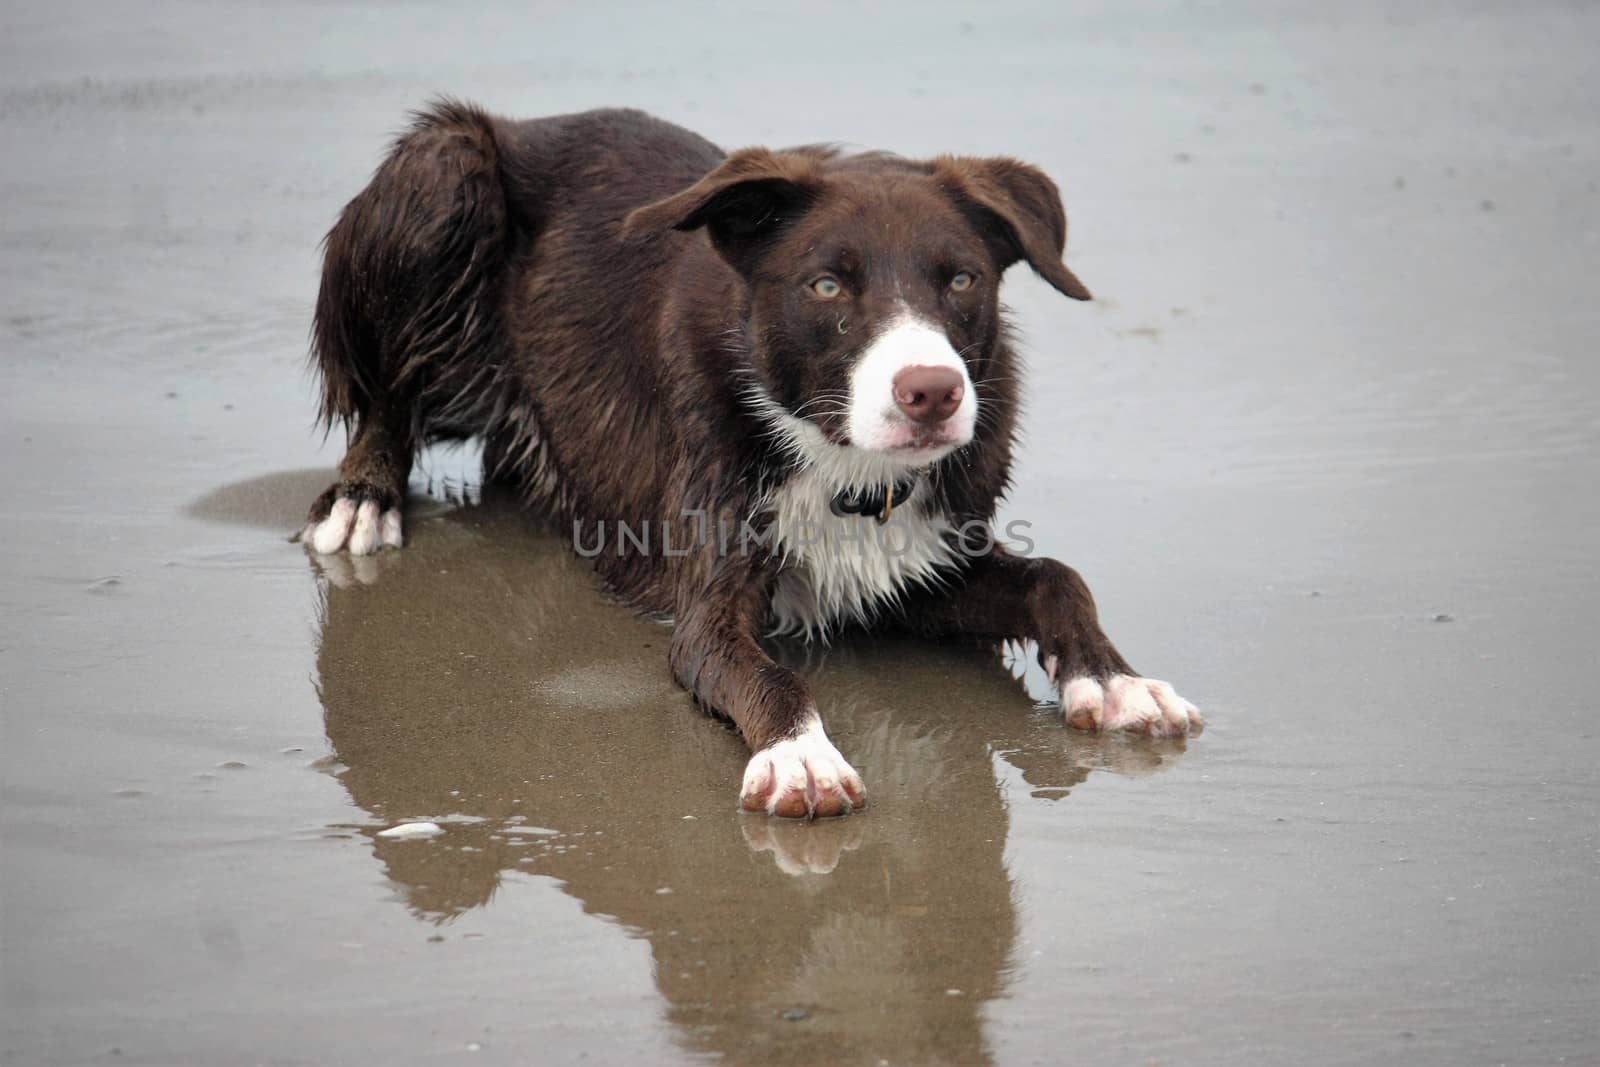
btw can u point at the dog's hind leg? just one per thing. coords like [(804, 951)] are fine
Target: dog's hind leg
[(407, 337), (361, 511)]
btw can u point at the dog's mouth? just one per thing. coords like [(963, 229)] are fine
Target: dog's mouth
[(916, 441), (946, 435), (896, 437)]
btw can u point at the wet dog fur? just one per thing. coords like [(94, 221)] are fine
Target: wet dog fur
[(647, 333)]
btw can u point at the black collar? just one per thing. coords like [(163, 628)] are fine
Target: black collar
[(875, 501)]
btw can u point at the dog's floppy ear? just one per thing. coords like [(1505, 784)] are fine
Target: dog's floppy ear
[(742, 204), (1019, 210)]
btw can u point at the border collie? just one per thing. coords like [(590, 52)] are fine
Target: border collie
[(767, 391)]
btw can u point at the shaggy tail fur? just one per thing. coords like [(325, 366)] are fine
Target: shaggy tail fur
[(407, 328)]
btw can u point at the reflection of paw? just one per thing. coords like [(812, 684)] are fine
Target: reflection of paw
[(1121, 755), (799, 848), (359, 518), (1137, 705), (802, 777), (347, 572)]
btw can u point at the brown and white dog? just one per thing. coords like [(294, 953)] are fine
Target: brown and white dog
[(770, 391)]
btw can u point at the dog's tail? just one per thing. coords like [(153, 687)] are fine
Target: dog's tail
[(406, 319)]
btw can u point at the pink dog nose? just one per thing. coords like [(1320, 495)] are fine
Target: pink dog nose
[(928, 394)]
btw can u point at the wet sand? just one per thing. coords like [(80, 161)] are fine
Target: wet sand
[(1325, 448)]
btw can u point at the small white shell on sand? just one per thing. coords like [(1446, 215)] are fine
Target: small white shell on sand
[(408, 831)]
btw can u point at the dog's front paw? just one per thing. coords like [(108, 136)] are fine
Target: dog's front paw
[(802, 777), (353, 516), (1123, 702)]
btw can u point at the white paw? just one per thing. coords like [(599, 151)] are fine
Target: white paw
[(361, 528), (1138, 705), (803, 777)]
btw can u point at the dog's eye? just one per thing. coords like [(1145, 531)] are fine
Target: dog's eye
[(961, 282), (827, 287)]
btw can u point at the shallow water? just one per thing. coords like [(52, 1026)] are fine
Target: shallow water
[(1325, 448)]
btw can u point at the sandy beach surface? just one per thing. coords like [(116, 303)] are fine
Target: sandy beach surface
[(1326, 448)]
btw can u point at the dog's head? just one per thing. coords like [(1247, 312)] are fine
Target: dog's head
[(873, 286)]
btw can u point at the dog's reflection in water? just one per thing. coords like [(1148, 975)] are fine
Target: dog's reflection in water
[(479, 679)]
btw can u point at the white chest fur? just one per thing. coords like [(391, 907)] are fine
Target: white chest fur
[(841, 569)]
